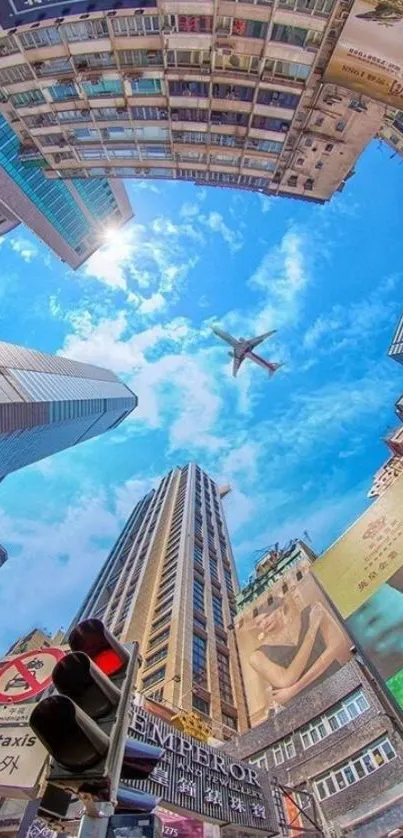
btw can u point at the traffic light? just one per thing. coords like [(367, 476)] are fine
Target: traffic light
[(84, 726)]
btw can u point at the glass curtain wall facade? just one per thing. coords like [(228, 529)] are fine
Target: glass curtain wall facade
[(48, 403), (70, 217)]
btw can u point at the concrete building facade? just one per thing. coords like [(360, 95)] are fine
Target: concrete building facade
[(170, 583), (225, 94), (48, 403), (341, 744), (71, 217), (335, 737)]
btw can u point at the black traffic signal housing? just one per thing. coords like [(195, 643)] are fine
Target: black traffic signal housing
[(84, 726)]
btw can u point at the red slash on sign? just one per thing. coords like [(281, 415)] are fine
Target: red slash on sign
[(27, 675)]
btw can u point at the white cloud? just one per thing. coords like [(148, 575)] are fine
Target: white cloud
[(343, 326), (53, 551), (25, 248), (216, 223), (152, 304), (127, 495)]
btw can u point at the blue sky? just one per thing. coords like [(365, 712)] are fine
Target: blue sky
[(299, 450)]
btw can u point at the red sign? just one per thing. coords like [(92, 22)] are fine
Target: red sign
[(27, 675), (179, 826)]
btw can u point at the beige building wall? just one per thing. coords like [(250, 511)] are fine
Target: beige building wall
[(170, 583)]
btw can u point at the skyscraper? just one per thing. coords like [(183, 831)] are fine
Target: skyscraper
[(3, 555), (48, 403), (236, 95), (396, 347), (70, 217), (170, 583)]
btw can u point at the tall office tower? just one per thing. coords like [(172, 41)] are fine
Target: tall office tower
[(48, 403), (70, 217), (170, 583), (396, 347), (3, 555), (225, 94)]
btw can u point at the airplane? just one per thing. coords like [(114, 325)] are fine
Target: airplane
[(242, 349)]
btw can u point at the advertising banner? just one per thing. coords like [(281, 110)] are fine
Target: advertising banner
[(362, 573), (289, 642), (368, 56)]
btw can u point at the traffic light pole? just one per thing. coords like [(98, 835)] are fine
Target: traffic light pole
[(94, 823)]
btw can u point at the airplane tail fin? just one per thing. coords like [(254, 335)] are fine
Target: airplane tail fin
[(274, 367)]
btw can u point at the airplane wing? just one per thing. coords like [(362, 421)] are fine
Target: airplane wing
[(270, 366), (235, 366), (225, 336), (253, 342)]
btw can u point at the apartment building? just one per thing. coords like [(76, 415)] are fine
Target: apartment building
[(170, 583), (227, 93)]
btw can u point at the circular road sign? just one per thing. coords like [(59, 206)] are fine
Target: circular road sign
[(25, 676)]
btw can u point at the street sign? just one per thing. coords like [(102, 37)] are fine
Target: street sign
[(22, 757), (27, 675)]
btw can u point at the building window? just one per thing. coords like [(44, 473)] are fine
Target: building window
[(159, 638), (355, 769), (338, 716), (201, 705), (260, 762), (224, 678), (199, 666), (161, 621), (230, 721), (340, 125), (198, 595), (146, 87), (278, 755), (157, 656), (289, 748), (158, 675), (217, 611), (283, 750)]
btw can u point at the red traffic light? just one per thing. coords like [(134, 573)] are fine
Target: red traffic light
[(93, 638), (108, 661)]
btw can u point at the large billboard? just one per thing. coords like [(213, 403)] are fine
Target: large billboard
[(289, 642), (368, 56), (362, 573)]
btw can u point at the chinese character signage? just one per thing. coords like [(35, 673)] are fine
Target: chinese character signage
[(18, 12), (368, 56), (289, 641), (194, 777), (363, 574)]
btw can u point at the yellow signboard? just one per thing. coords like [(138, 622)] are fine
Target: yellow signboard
[(362, 573), (368, 56)]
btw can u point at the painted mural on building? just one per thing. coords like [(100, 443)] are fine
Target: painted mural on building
[(289, 641)]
